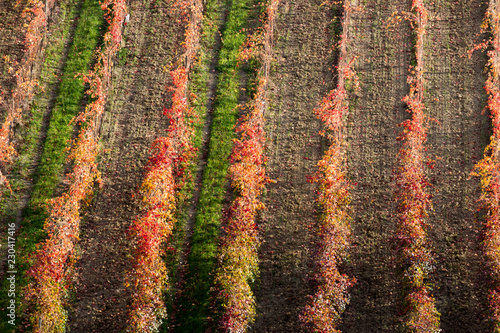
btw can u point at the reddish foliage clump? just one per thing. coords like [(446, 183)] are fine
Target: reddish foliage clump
[(323, 314), (418, 306), (166, 173), (489, 167)]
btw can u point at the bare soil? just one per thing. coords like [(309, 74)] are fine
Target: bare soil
[(12, 49), (294, 148), (383, 59), (455, 98), (133, 120)]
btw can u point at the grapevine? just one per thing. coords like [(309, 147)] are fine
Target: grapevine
[(166, 172), (323, 314), (419, 312), (239, 246), (488, 168)]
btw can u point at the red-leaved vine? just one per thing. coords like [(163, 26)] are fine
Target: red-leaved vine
[(489, 167), (418, 310), (323, 314), (35, 17), (165, 174), (238, 256), (149, 276), (52, 272)]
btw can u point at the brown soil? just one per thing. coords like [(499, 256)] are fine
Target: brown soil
[(133, 120), (294, 147), (11, 42), (455, 98), (384, 56)]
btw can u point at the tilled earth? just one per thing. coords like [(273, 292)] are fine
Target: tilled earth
[(11, 43), (455, 98), (294, 147)]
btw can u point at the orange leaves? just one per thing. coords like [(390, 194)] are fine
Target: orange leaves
[(181, 129), (418, 305), (333, 108), (165, 174), (323, 313), (239, 246), (239, 264), (115, 20), (423, 318), (151, 230)]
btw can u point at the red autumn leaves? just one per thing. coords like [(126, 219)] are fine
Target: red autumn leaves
[(414, 259), (238, 255), (324, 311)]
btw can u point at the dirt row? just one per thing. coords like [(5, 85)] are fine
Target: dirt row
[(132, 121), (455, 98), (294, 146), (383, 58), (11, 42)]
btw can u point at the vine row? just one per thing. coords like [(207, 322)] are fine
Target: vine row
[(488, 168), (323, 314), (165, 174), (36, 18), (240, 242), (418, 310)]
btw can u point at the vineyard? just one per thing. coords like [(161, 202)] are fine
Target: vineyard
[(250, 166)]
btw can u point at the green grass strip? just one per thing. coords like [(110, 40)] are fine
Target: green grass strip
[(195, 303), (68, 102), (48, 174), (198, 84)]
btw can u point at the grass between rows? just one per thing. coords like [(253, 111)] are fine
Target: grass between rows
[(68, 103), (194, 305), (198, 85)]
